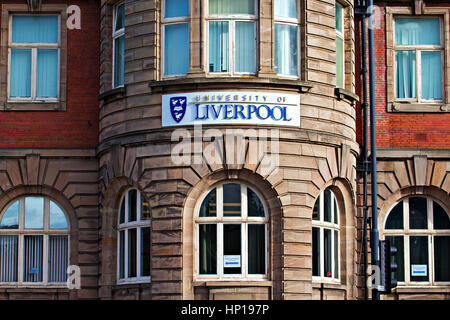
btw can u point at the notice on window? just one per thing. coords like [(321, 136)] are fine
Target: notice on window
[(419, 270), (232, 261)]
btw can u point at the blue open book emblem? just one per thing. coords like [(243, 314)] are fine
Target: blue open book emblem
[(178, 108)]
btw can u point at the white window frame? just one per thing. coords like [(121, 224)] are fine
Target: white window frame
[(46, 232), (34, 48), (244, 220), (231, 19), (418, 49), (341, 35), (406, 233), (116, 34), (293, 22), (138, 225), (334, 226), (166, 22)]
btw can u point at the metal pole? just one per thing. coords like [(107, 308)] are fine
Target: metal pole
[(374, 236)]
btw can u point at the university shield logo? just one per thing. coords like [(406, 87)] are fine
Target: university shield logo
[(178, 108)]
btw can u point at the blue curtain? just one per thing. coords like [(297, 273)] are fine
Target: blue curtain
[(218, 46), (286, 8), (176, 49), (35, 29), (119, 61), (231, 7), (176, 8), (420, 31), (406, 74), (47, 73), (245, 47), (120, 17), (286, 49), (431, 75), (20, 73)]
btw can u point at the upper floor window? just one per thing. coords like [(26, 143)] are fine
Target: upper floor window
[(34, 242), (340, 48), (419, 52), (175, 31), (286, 37), (232, 36), (118, 37), (34, 57), (325, 237), (231, 234), (420, 230), (133, 250)]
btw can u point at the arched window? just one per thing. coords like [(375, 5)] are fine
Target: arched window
[(34, 242), (232, 234), (325, 238), (133, 248), (420, 230)]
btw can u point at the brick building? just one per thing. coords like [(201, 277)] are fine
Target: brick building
[(208, 149)]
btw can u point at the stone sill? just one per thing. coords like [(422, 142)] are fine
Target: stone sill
[(220, 82), (421, 289), (328, 285), (343, 94), (407, 107), (113, 94), (34, 289), (222, 283), (34, 106)]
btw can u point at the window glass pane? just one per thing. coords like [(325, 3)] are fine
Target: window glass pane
[(254, 204), (32, 256), (121, 254), (285, 8), (120, 17), (405, 63), (440, 217), (231, 6), (340, 54), (132, 257), (57, 217), (231, 200), (399, 257), (176, 8), (35, 29), (58, 258), (10, 219), (122, 211), (417, 213), (20, 73), (232, 258), (395, 217), (34, 213), (286, 49), (327, 199), (208, 248), (256, 249), (245, 47), (218, 46), (418, 247), (431, 75), (145, 209), (336, 211), (176, 49), (145, 252), (336, 254), (422, 31), (316, 209), (208, 208), (119, 61), (316, 251), (132, 205), (442, 258), (327, 251), (47, 73), (8, 258), (339, 18)]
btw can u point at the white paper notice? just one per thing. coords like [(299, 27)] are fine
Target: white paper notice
[(232, 261), (419, 270)]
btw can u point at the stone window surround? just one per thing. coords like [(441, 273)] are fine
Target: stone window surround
[(392, 104), (7, 10)]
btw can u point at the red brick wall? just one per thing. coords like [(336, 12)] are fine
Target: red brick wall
[(76, 127), (399, 130)]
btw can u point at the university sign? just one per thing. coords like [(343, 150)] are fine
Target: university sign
[(237, 107)]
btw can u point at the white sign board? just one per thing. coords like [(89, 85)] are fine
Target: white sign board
[(232, 261), (231, 107), (419, 270)]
